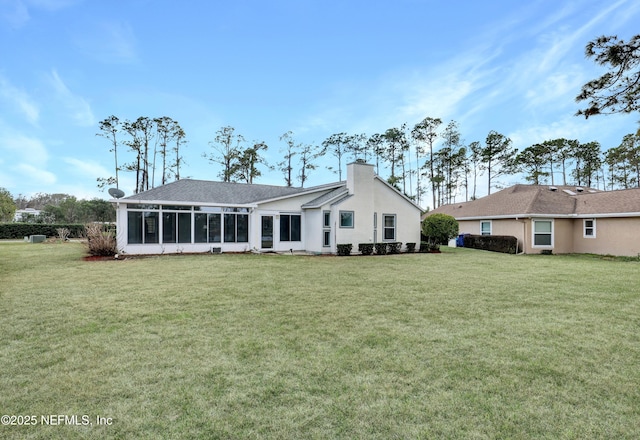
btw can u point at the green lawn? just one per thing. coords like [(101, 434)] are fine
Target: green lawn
[(463, 344)]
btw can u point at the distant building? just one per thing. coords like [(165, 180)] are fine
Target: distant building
[(23, 215), (562, 219)]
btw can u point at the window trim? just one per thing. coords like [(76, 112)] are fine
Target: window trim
[(290, 238), (326, 219), (385, 227), (490, 227), (592, 227), (326, 238), (353, 219), (326, 229), (533, 234)]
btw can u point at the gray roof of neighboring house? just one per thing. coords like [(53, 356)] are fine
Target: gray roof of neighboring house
[(542, 200), (205, 191)]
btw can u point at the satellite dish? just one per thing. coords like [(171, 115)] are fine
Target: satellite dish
[(116, 193)]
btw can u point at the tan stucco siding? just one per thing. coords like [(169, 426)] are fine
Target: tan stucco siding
[(615, 236), (563, 236), (512, 227)]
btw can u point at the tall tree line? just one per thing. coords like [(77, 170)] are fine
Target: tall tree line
[(152, 150), (428, 157)]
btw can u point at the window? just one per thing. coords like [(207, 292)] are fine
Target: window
[(290, 227), (326, 231), (142, 227), (485, 227), (215, 228), (236, 228), (542, 233), (134, 227), (589, 228), (326, 238), (389, 232), (168, 227), (176, 227), (200, 228), (346, 219), (375, 227), (184, 227)]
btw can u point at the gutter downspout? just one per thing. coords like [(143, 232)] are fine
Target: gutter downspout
[(524, 235)]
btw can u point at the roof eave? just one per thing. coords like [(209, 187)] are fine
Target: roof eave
[(311, 190), (129, 201)]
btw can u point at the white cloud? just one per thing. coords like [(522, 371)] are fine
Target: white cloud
[(36, 176), (80, 110), (87, 168), (20, 100), (23, 148)]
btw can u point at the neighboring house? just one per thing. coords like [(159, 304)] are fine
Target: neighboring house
[(203, 216), (22, 215), (562, 219)]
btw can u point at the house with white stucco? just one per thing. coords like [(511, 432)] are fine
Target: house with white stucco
[(192, 216)]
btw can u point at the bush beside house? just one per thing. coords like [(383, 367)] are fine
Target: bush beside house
[(439, 229)]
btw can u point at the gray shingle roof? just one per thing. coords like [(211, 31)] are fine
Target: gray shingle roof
[(540, 200), (326, 197), (204, 191)]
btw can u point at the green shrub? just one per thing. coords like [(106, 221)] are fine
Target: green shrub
[(411, 247), (439, 228), (394, 248), (344, 249), (21, 230), (365, 248), (497, 243), (424, 246), (381, 248)]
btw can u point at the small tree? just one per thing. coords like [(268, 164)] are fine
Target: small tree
[(7, 206), (439, 228)]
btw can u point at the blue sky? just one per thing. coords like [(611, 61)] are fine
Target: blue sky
[(311, 67)]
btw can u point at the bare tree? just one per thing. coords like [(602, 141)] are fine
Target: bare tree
[(109, 128), (227, 147)]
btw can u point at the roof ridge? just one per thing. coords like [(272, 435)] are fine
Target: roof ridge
[(531, 202)]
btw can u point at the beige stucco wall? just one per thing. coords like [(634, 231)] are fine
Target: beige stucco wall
[(614, 236), (513, 227)]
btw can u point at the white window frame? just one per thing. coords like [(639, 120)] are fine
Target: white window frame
[(533, 233), (490, 227), (592, 227), (385, 227)]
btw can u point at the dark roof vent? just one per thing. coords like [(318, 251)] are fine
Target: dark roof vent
[(553, 188)]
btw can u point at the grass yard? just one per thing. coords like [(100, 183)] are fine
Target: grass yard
[(463, 344)]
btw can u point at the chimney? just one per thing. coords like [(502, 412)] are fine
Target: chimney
[(359, 177)]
